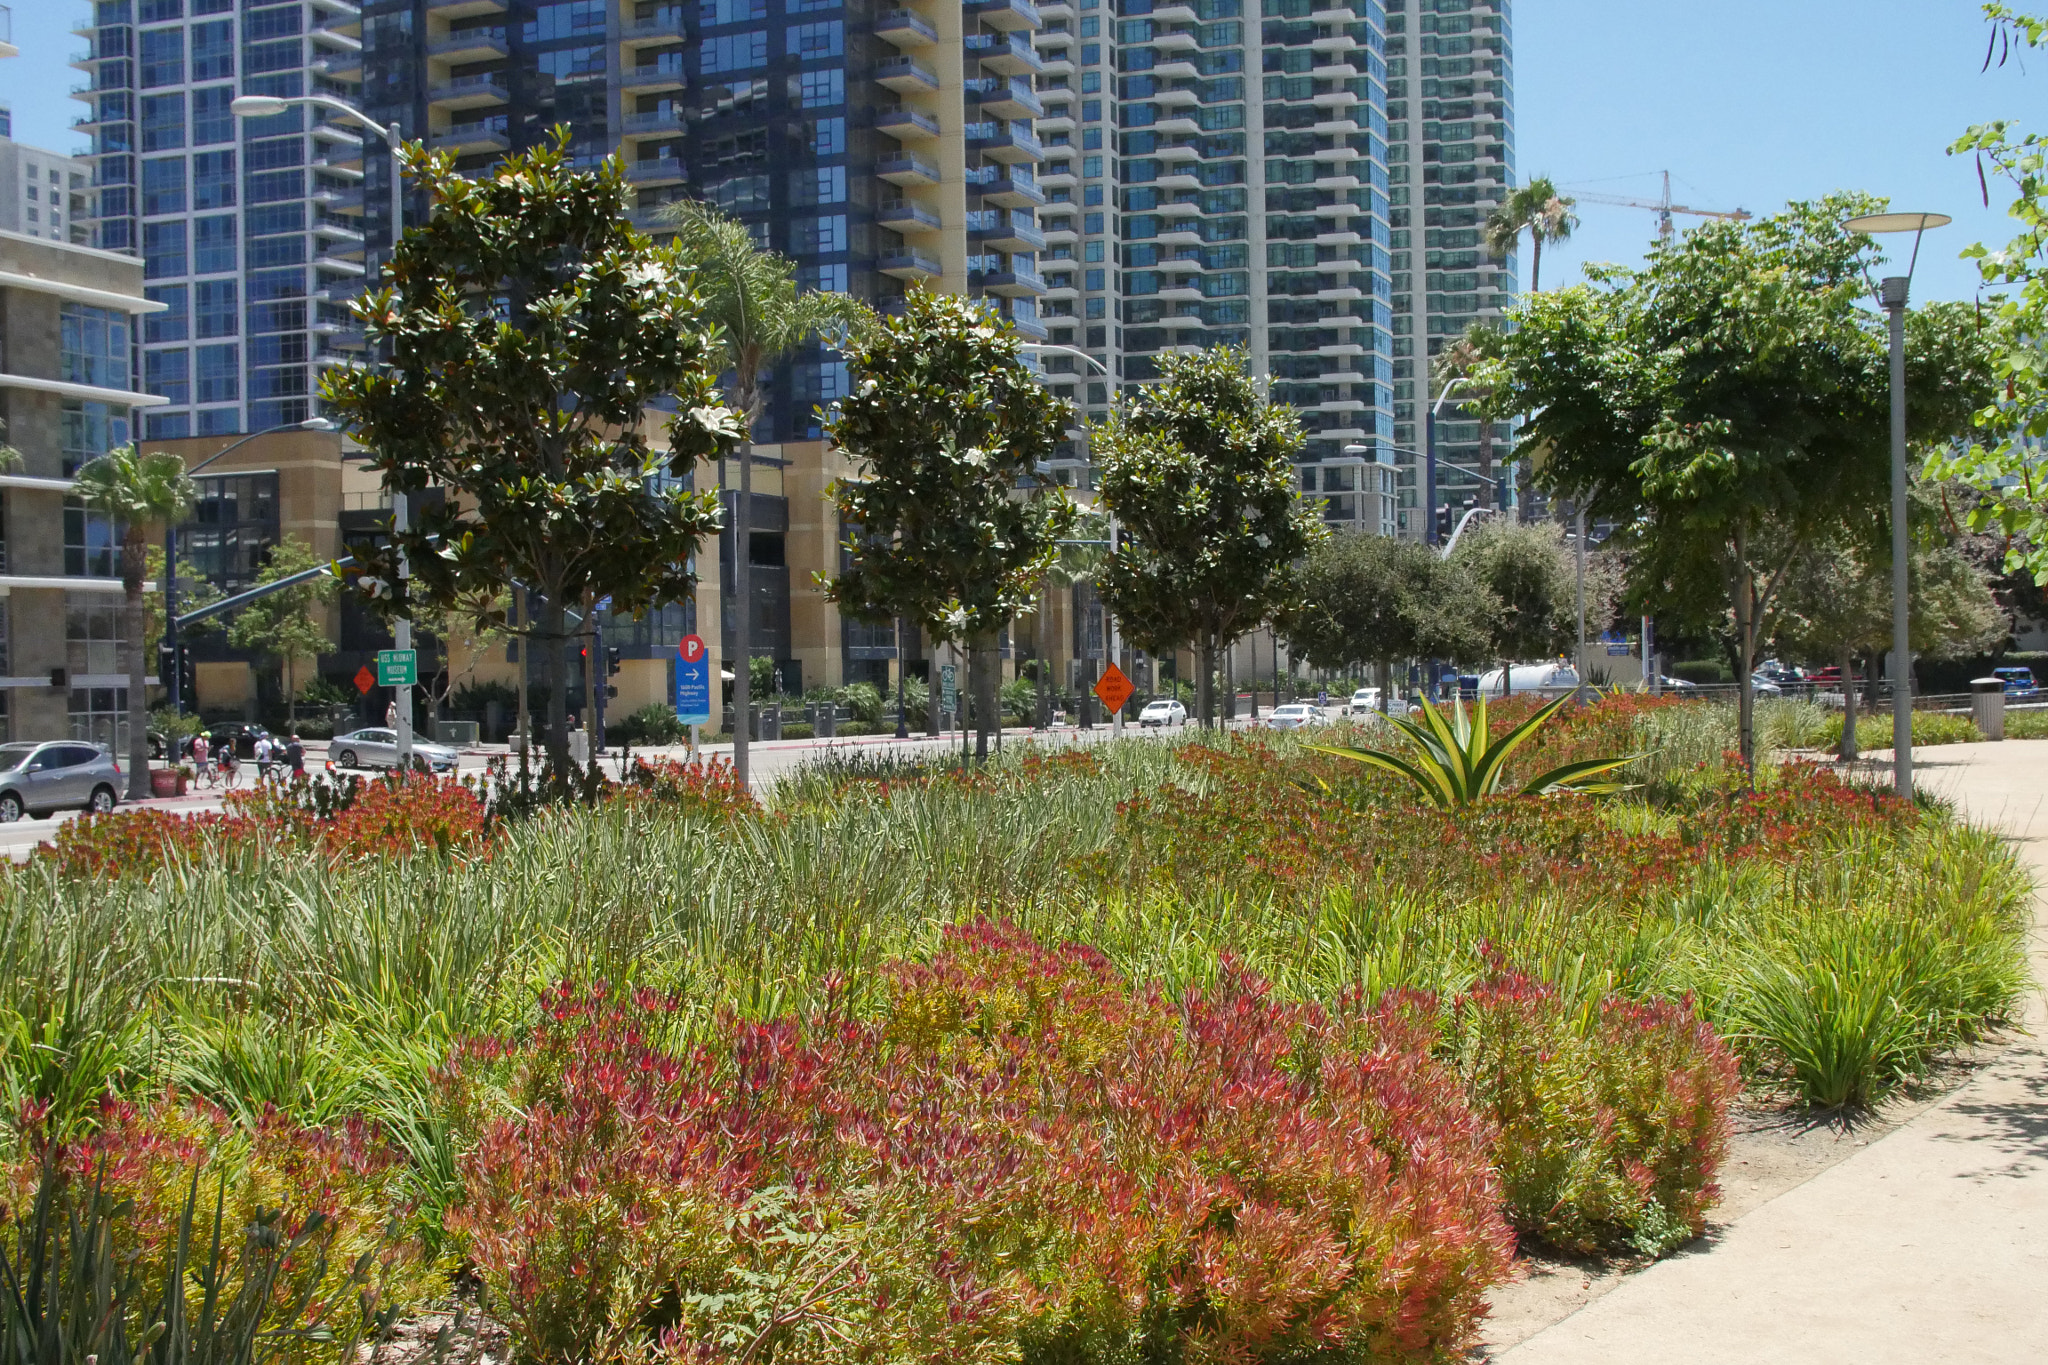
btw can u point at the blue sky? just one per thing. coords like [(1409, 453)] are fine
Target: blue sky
[(1747, 102)]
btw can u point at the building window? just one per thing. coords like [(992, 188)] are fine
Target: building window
[(818, 185), (823, 236), (168, 426), (213, 180), (731, 11), (212, 121), (94, 346), (163, 57), (820, 89), (163, 122), (174, 323), (217, 308), (158, 11), (163, 250), (213, 245), (233, 528), (213, 51), (220, 374), (91, 549), (565, 19), (168, 374), (810, 42), (734, 52), (163, 185), (99, 715), (91, 430)]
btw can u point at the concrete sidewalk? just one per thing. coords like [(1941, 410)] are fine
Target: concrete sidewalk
[(1930, 1245)]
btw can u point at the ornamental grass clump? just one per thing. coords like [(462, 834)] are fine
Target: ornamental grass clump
[(1018, 1155)]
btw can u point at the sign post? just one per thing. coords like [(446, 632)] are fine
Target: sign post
[(693, 686), (949, 689)]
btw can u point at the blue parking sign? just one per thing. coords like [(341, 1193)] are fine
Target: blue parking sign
[(693, 681)]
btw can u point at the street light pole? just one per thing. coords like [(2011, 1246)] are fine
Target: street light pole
[(1429, 456), (1892, 294), (264, 106)]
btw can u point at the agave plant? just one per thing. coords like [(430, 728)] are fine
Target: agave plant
[(1458, 762)]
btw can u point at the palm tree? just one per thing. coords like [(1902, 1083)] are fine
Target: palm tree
[(136, 491), (1537, 209), (752, 296)]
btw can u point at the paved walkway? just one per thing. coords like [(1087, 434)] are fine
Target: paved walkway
[(1930, 1245)]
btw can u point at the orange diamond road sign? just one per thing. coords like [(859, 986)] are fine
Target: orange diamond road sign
[(365, 680), (1114, 688)]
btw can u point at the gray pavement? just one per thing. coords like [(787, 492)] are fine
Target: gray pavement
[(1930, 1245)]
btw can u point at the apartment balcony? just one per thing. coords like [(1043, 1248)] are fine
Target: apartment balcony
[(1059, 118), (908, 168), (338, 265), (1175, 14), (1181, 234), (1005, 98), (1017, 190), (657, 170), (339, 235), (907, 76), (1029, 327), (1058, 65), (1008, 15), (909, 265), (1060, 288), (470, 45), (1061, 179), (1058, 9), (1341, 348), (1012, 231), (1005, 144), (1339, 180), (668, 120), (1336, 126), (1062, 235), (654, 76), (1178, 180), (1176, 71), (1187, 291), (1004, 53), (664, 25), (1342, 42), (336, 37), (1180, 125), (484, 90), (1015, 283), (338, 66), (906, 29), (340, 9), (907, 125), (1343, 237), (332, 202), (348, 166), (1334, 99), (464, 9), (907, 216), (1184, 97)]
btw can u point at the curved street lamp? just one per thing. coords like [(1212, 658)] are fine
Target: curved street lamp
[(1891, 296)]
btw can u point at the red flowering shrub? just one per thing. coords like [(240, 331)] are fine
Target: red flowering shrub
[(1611, 1117), (397, 815), (143, 840), (710, 789), (333, 1197), (1019, 1153)]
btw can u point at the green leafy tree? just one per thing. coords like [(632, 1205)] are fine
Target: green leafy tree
[(1728, 403), (1537, 209), (471, 630), (1528, 574), (289, 625), (762, 317), (1199, 472), (530, 329), (946, 425), (1368, 599), (137, 491), (194, 592), (2003, 463)]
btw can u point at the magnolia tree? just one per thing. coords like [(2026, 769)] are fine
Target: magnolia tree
[(530, 329), (946, 427), (1728, 404), (1199, 472)]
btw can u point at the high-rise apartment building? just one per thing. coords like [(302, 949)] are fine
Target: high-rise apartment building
[(1451, 140), (45, 194), (249, 230)]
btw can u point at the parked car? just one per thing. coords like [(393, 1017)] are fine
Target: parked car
[(2019, 682), (1295, 716), (240, 733), (1760, 686), (378, 748), (1667, 683), (1164, 711), (1365, 699), (36, 779)]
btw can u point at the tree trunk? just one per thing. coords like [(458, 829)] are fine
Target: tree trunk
[(523, 605), (132, 560), (1535, 256), (557, 632), (743, 613), (1205, 681), (1745, 654), (982, 664), (1847, 749), (1487, 490)]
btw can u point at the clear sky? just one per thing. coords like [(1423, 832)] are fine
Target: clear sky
[(1748, 103)]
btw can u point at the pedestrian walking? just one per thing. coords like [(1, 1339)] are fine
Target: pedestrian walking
[(263, 760), (295, 756), (202, 761), (230, 765)]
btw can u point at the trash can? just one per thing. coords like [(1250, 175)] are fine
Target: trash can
[(824, 720), (769, 724), (1987, 706)]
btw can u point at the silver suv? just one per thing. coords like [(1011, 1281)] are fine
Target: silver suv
[(38, 778)]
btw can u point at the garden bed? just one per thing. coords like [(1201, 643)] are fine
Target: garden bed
[(1569, 991)]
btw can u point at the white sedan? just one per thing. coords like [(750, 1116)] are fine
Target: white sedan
[(1295, 716), (1164, 711), (378, 748), (1365, 699)]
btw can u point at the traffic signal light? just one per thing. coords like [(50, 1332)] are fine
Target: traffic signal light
[(613, 662)]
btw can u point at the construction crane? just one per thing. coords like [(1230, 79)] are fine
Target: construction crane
[(1663, 208)]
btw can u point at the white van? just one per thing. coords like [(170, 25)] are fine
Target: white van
[(1554, 679)]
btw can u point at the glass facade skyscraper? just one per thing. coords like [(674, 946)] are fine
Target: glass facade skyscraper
[(1451, 134), (249, 230)]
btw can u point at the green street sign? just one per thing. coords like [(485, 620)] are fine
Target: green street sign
[(398, 667), (949, 689)]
